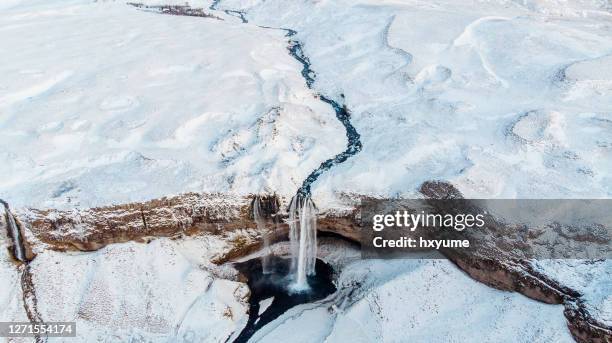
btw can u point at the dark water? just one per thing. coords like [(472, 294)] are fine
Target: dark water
[(238, 14), (214, 4), (296, 51), (353, 145), (277, 285)]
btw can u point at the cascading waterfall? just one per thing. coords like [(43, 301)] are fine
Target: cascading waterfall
[(258, 216), (302, 211), (15, 234), (303, 237)]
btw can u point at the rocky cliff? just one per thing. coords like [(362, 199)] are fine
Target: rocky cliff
[(230, 219)]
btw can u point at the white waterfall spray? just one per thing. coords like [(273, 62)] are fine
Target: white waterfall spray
[(15, 233), (303, 237), (258, 216)]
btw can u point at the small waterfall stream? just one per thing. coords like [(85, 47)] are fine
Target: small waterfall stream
[(303, 237), (30, 303), (302, 211), (260, 221), (15, 234), (301, 285)]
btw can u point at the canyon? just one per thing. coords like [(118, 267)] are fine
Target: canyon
[(231, 221)]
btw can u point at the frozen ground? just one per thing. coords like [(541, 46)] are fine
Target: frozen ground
[(421, 301), (162, 291), (504, 99), (593, 279), (102, 103), (165, 291), (413, 300)]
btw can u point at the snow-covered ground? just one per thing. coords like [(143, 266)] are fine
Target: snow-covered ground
[(421, 301), (165, 291), (413, 300), (504, 99), (102, 103), (593, 279), (162, 291)]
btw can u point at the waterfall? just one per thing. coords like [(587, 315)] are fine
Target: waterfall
[(303, 237), (259, 218), (15, 234)]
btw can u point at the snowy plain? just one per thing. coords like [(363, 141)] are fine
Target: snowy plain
[(102, 103), (505, 99)]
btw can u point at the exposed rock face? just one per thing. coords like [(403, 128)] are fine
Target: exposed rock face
[(92, 229), (21, 252), (19, 248), (231, 217), (499, 269), (183, 10), (346, 225), (583, 326), (439, 190), (182, 215)]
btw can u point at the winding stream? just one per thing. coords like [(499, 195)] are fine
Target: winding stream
[(316, 276), (353, 145), (275, 284), (233, 13), (342, 113)]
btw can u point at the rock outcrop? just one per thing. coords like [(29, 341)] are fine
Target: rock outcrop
[(498, 268), (223, 215), (92, 229)]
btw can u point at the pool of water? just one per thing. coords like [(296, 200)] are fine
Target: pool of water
[(277, 285)]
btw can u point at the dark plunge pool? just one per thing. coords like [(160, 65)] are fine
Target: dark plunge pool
[(277, 284)]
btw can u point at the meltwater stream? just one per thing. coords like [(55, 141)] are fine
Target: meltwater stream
[(260, 221), (14, 233), (353, 145), (303, 237), (296, 281), (342, 113), (238, 14)]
